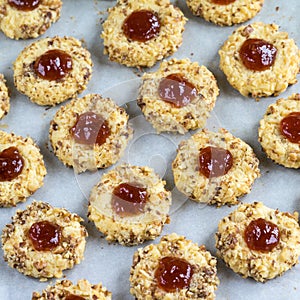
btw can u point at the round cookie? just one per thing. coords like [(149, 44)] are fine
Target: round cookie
[(55, 248), (203, 280), (51, 92), (125, 222), (17, 23), (260, 265), (217, 188), (4, 97), (230, 13), (14, 189), (271, 81), (135, 53), (89, 156), (65, 288), (277, 146), (197, 82)]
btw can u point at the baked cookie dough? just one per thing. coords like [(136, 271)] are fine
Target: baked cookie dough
[(225, 12), (18, 21), (177, 258), (260, 265), (22, 172), (94, 155), (221, 185), (279, 69), (65, 288), (161, 41), (42, 241), (191, 91), (4, 97), (67, 79), (277, 146), (126, 221)]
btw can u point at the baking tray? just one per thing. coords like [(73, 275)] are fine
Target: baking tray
[(278, 187)]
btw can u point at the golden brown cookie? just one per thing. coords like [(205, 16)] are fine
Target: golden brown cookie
[(65, 288), (90, 146), (4, 97), (259, 242), (25, 169), (154, 30), (260, 61), (52, 70), (42, 241), (279, 132), (21, 21), (225, 12), (130, 205), (215, 167), (176, 268), (178, 96)]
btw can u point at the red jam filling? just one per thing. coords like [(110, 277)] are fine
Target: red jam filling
[(11, 164), (176, 90), (53, 65), (90, 129), (24, 5), (222, 2), (173, 274), (290, 127), (74, 297), (44, 235), (261, 235), (257, 54), (215, 161), (141, 25), (129, 199)]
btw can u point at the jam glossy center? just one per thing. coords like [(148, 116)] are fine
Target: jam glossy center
[(44, 235), (176, 90), (90, 129), (257, 54), (74, 297), (141, 25), (24, 5), (290, 127), (261, 235), (129, 199), (215, 161), (173, 274), (53, 65), (11, 164), (222, 2)]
